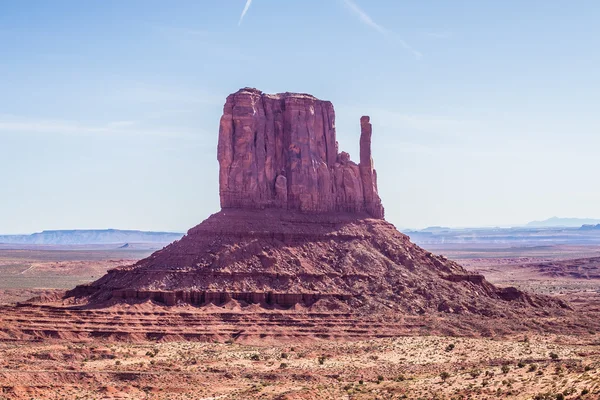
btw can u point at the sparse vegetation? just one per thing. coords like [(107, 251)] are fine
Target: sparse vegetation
[(475, 373), (532, 368), (211, 367)]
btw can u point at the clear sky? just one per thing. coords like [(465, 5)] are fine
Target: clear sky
[(484, 112)]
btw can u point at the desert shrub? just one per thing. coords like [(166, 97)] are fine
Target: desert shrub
[(532, 368), (284, 355), (587, 368), (255, 357), (558, 369), (283, 365), (380, 378), (554, 356), (475, 373), (560, 396), (505, 368), (322, 359), (450, 347), (585, 391), (361, 382), (520, 364), (444, 375)]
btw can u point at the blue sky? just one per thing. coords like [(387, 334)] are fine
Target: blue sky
[(484, 113)]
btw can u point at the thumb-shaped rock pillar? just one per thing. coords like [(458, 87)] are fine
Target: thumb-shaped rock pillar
[(367, 172)]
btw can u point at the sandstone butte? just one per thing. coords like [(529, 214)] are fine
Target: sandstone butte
[(280, 151), (301, 242)]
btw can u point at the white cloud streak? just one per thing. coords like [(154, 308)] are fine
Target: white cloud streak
[(364, 17), (439, 35), (10, 125), (367, 20), (246, 7)]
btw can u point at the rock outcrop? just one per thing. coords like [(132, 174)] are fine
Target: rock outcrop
[(301, 229), (280, 151), (281, 258)]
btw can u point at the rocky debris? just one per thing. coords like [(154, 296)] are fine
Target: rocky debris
[(280, 151)]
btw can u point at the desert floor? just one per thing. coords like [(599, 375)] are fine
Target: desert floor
[(525, 366)]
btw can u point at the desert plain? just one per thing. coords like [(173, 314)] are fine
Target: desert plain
[(423, 365)]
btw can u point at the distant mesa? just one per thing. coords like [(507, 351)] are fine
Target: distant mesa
[(91, 236), (559, 222), (435, 229), (590, 227)]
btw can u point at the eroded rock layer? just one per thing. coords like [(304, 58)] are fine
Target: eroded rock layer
[(280, 151), (286, 258)]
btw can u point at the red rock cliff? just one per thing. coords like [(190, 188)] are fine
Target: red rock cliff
[(281, 151)]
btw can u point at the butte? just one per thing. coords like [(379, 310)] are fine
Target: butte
[(300, 248)]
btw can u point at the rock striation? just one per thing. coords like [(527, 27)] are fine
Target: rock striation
[(284, 258), (280, 151)]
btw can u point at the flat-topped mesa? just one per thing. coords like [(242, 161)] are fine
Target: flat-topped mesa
[(280, 151)]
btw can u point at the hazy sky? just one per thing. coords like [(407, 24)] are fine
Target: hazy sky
[(484, 112)]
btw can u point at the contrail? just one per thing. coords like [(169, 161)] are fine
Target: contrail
[(246, 7), (367, 20)]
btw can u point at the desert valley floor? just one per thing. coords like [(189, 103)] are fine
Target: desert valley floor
[(423, 364)]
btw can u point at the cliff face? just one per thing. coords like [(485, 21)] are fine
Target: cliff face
[(280, 151)]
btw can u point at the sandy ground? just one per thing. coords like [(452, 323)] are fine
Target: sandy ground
[(406, 367), (526, 366)]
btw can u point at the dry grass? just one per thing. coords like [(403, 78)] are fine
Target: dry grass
[(408, 367)]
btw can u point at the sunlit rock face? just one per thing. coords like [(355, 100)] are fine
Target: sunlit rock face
[(280, 151)]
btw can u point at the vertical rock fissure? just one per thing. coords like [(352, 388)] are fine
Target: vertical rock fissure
[(325, 136)]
